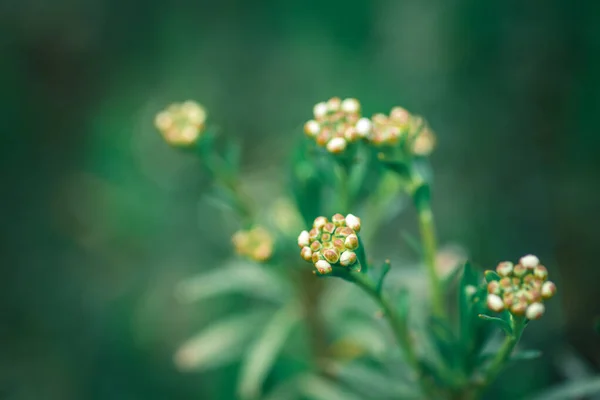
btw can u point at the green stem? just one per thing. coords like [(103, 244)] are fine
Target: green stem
[(429, 243), (221, 173), (344, 187)]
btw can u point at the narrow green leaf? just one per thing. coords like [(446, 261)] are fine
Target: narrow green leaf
[(263, 353), (362, 256), (526, 355), (571, 390), (371, 382), (403, 303), (239, 277), (318, 388), (491, 276), (233, 153), (499, 321), (385, 268), (222, 342), (412, 242), (399, 167)]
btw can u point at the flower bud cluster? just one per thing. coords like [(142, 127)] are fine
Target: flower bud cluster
[(256, 243), (402, 128), (521, 289), (336, 123), (330, 242), (181, 124)]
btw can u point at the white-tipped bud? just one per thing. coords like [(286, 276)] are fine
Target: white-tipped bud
[(163, 120), (320, 110), (334, 104), (350, 106), (303, 239), (400, 115), (306, 253), (353, 222), (347, 258), (470, 290), (495, 303), (338, 220), (336, 145), (529, 261), (312, 128), (319, 222), (504, 268), (540, 272), (323, 267), (363, 127), (548, 289), (535, 311), (351, 242)]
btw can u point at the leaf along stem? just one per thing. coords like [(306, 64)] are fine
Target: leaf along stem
[(397, 323), (502, 356)]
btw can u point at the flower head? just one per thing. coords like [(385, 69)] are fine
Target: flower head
[(521, 289), (256, 243), (337, 123), (181, 124), (330, 243), (401, 128)]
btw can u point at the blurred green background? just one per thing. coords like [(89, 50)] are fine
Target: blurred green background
[(101, 219)]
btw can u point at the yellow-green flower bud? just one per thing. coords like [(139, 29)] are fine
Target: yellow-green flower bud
[(331, 255)]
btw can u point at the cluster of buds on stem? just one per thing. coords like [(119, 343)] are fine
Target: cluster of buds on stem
[(401, 128), (521, 289), (336, 123), (330, 242), (256, 243), (181, 124)]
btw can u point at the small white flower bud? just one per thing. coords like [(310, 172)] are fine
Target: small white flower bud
[(323, 267), (540, 272), (320, 110), (400, 115), (351, 242), (312, 128), (336, 145), (353, 222), (350, 105), (363, 127), (495, 303), (504, 268), (319, 222), (535, 311), (334, 104), (163, 120), (306, 253), (338, 220), (303, 239), (347, 258), (529, 261), (470, 290), (548, 289)]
